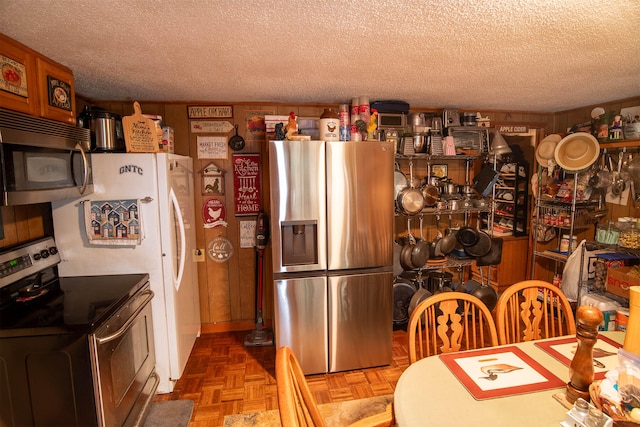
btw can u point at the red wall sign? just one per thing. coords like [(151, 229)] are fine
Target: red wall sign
[(213, 213), (246, 184)]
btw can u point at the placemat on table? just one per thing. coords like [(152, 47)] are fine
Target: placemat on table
[(498, 372), (605, 352)]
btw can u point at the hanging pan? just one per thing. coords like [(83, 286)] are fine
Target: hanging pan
[(410, 199), (482, 246), (236, 142), (494, 256), (485, 293), (420, 251), (448, 242)]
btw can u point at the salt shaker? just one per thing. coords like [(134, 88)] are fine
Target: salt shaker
[(595, 418)]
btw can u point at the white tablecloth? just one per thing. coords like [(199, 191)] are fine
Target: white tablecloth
[(428, 394)]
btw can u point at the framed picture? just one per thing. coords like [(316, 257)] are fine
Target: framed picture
[(256, 126), (17, 78), (439, 170), (57, 92)]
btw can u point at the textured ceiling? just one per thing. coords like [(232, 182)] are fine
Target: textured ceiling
[(532, 55)]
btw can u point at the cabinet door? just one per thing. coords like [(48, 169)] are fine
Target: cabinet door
[(18, 80), (57, 92)]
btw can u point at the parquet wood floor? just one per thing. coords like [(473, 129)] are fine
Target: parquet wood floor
[(224, 377)]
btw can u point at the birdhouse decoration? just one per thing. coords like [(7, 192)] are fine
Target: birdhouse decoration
[(212, 180)]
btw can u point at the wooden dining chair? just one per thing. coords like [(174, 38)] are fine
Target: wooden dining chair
[(532, 310), (297, 405), (449, 322)]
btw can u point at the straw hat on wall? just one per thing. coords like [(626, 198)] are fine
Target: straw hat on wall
[(577, 152), (546, 149)]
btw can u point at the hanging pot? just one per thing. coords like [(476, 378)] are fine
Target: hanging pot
[(438, 280), (402, 293), (451, 189), (485, 293), (430, 191)]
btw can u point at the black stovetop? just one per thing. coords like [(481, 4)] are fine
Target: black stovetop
[(70, 304)]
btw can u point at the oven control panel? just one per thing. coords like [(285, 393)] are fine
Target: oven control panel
[(23, 260)]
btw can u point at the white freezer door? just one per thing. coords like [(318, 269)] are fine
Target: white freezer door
[(180, 271)]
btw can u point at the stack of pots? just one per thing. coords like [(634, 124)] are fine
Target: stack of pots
[(419, 132)]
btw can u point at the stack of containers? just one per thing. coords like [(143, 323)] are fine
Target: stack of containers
[(345, 130), (360, 110)]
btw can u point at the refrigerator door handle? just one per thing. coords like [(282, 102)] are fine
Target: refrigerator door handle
[(183, 243)]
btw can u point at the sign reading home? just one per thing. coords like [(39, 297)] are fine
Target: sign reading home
[(246, 184), (209, 111)]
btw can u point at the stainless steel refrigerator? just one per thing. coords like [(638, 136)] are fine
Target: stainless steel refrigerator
[(332, 240)]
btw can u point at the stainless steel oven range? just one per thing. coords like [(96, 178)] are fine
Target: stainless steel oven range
[(74, 351)]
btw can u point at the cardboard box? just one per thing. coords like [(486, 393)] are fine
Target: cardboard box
[(619, 282)]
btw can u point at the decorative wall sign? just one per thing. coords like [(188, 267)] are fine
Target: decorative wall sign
[(214, 213), (247, 234), (210, 126), (14, 76), (212, 180), (512, 129), (212, 147), (246, 184), (209, 111), (220, 249), (56, 91), (439, 170), (59, 93), (256, 126)]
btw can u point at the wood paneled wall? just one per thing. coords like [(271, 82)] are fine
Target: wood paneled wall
[(227, 290), (26, 222)]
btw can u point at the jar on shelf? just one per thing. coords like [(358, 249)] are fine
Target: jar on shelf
[(609, 235), (629, 233)]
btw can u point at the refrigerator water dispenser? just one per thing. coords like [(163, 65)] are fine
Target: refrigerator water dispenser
[(299, 242)]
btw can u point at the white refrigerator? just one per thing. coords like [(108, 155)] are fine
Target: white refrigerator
[(160, 189)]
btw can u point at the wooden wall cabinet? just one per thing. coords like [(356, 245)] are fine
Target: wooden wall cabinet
[(34, 84), (18, 79)]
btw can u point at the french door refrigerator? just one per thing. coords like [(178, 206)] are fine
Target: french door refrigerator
[(160, 187), (332, 239)]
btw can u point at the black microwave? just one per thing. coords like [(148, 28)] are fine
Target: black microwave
[(42, 160)]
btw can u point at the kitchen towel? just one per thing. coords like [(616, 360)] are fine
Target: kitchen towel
[(113, 222)]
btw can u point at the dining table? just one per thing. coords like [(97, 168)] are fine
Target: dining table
[(433, 392)]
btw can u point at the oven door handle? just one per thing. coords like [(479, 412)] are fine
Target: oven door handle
[(117, 334)]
